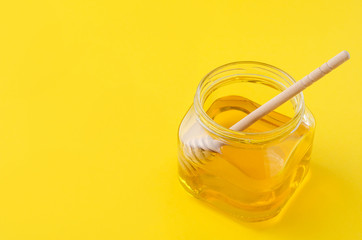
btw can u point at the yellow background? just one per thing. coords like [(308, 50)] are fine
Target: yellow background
[(92, 92)]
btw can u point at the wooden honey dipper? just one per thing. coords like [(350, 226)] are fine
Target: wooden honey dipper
[(201, 147)]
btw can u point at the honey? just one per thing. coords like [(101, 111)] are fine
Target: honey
[(253, 179)]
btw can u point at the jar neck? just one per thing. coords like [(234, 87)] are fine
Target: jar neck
[(261, 71)]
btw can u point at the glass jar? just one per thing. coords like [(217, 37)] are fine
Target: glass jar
[(254, 172)]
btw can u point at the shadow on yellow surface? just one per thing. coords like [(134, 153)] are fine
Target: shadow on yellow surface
[(311, 211)]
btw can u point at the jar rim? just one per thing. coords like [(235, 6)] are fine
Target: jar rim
[(240, 136)]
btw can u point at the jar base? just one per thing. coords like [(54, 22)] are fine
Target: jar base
[(230, 207)]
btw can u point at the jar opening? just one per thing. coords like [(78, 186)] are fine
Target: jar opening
[(252, 73)]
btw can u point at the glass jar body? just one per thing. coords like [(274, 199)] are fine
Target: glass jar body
[(253, 175)]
